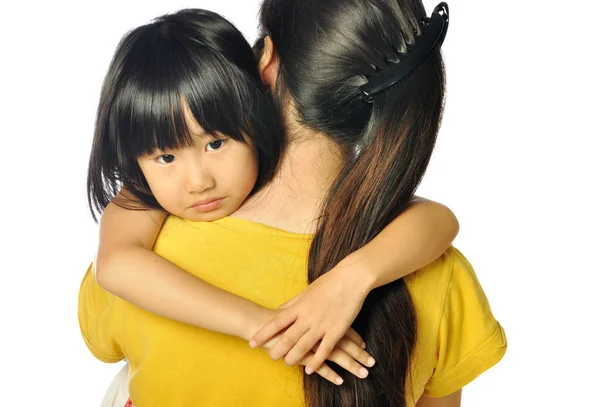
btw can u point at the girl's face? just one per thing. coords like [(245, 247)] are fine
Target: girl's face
[(204, 182)]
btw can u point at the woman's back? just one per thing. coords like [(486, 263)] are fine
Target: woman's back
[(175, 364)]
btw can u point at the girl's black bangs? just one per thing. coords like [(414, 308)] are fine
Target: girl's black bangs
[(154, 91)]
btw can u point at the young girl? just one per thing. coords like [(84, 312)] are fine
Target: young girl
[(185, 127)]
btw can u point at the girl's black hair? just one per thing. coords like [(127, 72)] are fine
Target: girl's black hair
[(193, 57), (327, 49)]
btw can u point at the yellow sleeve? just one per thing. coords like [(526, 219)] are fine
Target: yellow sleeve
[(95, 320), (470, 340)]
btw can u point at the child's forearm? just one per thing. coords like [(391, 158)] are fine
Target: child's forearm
[(151, 282), (411, 241), (127, 267)]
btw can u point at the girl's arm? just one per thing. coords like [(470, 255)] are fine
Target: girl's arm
[(421, 234), (126, 266), (325, 310)]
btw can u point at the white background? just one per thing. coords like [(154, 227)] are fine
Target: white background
[(516, 161)]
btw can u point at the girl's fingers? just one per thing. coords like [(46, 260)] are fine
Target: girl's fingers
[(346, 362), (324, 371), (325, 348), (356, 338), (355, 352), (271, 328), (287, 341), (302, 348)]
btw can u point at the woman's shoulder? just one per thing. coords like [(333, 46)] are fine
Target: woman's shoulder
[(448, 290), (428, 287), (432, 281), (435, 279), (456, 325)]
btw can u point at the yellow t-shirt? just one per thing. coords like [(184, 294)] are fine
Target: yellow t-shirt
[(174, 364)]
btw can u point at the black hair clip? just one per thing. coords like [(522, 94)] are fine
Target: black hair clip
[(433, 32)]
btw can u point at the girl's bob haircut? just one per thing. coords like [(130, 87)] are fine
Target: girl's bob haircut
[(192, 59)]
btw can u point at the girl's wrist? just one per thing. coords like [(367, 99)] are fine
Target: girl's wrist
[(256, 316), (358, 272)]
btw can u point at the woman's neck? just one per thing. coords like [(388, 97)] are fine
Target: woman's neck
[(292, 200)]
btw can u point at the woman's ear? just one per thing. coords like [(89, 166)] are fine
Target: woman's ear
[(268, 64)]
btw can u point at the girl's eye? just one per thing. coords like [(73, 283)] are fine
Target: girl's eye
[(215, 145), (166, 159)]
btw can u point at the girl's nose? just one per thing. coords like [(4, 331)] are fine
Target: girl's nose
[(198, 179)]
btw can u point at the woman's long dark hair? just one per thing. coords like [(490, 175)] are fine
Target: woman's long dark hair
[(192, 58), (327, 49)]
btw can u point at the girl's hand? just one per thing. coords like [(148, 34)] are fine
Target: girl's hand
[(348, 352), (322, 313)]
